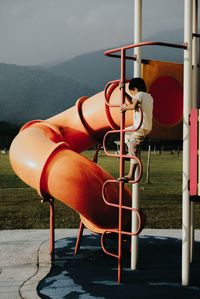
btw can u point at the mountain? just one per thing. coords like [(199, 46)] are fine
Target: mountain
[(38, 92), (27, 94), (95, 69), (165, 53)]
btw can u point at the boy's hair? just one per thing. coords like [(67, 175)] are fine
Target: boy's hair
[(137, 83)]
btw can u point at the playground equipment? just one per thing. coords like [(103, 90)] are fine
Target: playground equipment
[(56, 169), (164, 81), (189, 101), (45, 155), (194, 184)]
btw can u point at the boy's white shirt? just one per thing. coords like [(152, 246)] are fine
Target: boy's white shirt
[(146, 103)]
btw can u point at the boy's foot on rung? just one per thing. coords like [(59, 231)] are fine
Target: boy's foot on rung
[(124, 179)]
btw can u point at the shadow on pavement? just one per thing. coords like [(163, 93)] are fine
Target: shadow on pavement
[(92, 274)]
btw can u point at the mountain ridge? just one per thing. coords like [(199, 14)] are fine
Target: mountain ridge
[(41, 91)]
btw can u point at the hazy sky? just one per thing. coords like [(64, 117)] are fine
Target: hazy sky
[(38, 31)]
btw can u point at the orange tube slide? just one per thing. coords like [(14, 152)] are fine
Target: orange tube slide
[(45, 155)]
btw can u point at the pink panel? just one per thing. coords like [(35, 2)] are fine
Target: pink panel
[(193, 151)]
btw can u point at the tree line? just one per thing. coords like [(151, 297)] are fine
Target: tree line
[(7, 133)]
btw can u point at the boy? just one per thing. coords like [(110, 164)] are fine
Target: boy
[(134, 140)]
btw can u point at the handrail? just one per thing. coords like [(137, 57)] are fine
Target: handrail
[(115, 82), (114, 204), (122, 131), (152, 43), (120, 232), (113, 125), (123, 155)]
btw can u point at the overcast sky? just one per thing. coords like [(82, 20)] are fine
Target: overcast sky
[(38, 31)]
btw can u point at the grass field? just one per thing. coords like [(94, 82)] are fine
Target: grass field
[(161, 199)]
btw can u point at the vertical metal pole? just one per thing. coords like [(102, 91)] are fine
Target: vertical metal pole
[(148, 165), (135, 187), (199, 75), (194, 54), (121, 184), (78, 241), (194, 105), (52, 229), (186, 144)]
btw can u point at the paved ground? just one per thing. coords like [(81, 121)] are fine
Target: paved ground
[(26, 271)]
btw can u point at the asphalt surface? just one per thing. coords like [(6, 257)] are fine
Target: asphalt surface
[(27, 272)]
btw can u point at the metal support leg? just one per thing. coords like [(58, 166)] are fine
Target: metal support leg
[(135, 239), (137, 73), (52, 229), (78, 241), (186, 145), (192, 231)]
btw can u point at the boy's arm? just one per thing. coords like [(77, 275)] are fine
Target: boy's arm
[(132, 106), (127, 96)]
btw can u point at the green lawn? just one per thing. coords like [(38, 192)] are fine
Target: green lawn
[(21, 206)]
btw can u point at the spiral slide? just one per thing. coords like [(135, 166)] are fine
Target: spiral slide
[(46, 156)]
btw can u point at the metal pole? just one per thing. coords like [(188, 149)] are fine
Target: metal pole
[(186, 144), (148, 164), (121, 184), (52, 229), (194, 105), (194, 54), (137, 73)]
